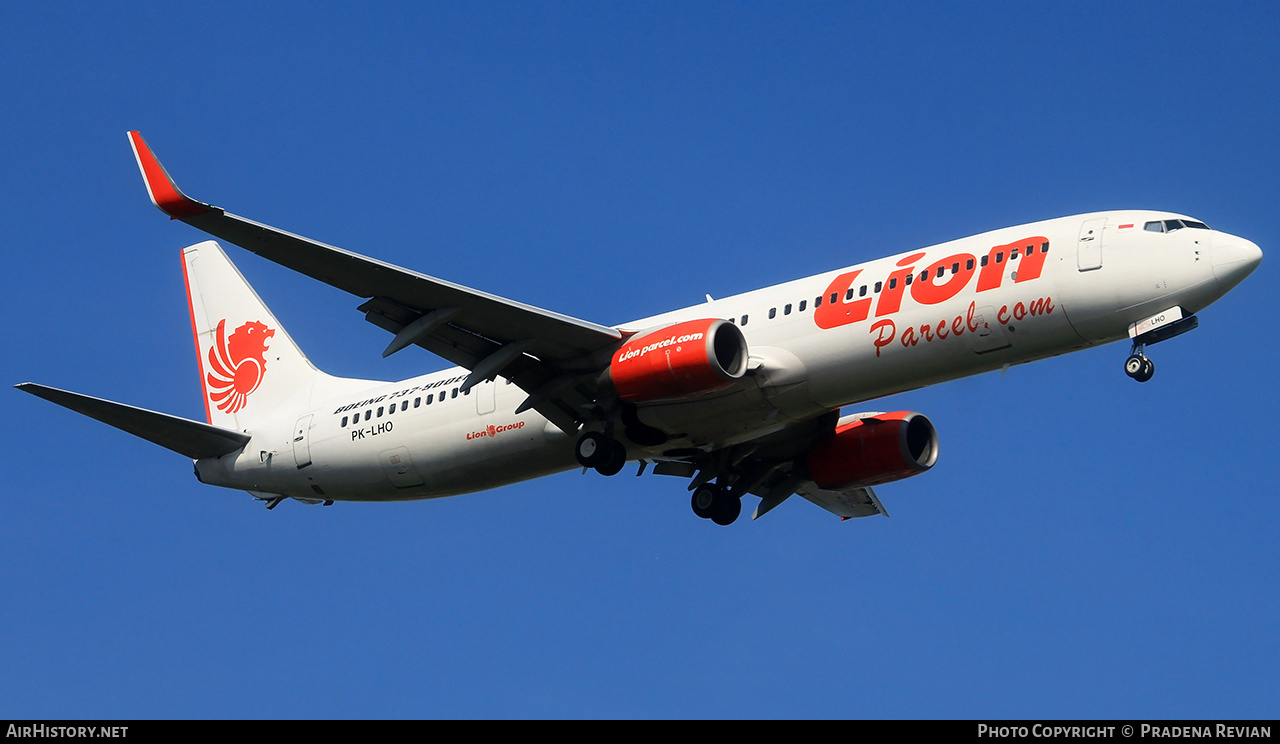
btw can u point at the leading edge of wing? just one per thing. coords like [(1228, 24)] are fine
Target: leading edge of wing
[(186, 437), (555, 336)]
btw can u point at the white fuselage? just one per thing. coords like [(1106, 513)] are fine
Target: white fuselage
[(984, 304)]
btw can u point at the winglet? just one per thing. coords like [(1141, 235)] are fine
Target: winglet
[(164, 193)]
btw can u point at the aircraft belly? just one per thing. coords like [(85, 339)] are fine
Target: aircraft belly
[(744, 413)]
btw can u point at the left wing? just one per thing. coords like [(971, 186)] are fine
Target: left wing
[(553, 357)]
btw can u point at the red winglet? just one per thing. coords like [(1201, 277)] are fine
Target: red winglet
[(164, 194)]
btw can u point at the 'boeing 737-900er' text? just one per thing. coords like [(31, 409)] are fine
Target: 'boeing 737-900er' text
[(740, 395)]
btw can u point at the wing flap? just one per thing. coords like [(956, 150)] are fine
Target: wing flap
[(855, 502), (186, 437), (556, 336)]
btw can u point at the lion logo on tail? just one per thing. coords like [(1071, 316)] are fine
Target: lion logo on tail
[(237, 364)]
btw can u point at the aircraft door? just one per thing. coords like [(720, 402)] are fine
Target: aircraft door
[(991, 335), (1089, 245), (485, 392), (302, 442), (398, 466)]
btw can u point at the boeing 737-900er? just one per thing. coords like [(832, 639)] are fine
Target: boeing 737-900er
[(740, 395)]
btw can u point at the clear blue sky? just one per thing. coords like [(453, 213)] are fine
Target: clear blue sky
[(1086, 546)]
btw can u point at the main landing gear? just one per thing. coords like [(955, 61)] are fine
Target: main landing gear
[(607, 456), (716, 503), (1138, 366), (602, 453)]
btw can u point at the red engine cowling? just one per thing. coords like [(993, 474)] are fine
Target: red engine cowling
[(873, 450), (679, 361)]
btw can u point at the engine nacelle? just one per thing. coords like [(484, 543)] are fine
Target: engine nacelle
[(679, 361), (874, 449)]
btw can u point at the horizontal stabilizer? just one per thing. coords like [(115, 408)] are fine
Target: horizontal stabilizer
[(184, 436)]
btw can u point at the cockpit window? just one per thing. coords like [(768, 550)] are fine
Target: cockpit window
[(1168, 226)]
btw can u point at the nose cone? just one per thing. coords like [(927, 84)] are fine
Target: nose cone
[(1234, 259)]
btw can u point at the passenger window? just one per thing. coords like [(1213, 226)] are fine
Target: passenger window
[(833, 298), (968, 265), (802, 304), (1044, 247), (773, 313), (379, 411), (817, 302), (404, 406), (1000, 257), (430, 397), (454, 394), (984, 260), (786, 310), (344, 421), (878, 285), (955, 268), (893, 283), (862, 291), (1013, 254), (744, 320), (368, 415), (848, 295), (909, 278)]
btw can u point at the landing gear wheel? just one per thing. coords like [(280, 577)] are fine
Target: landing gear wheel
[(1148, 370), (592, 449), (704, 501), (727, 509), (617, 454), (716, 503), (1139, 367)]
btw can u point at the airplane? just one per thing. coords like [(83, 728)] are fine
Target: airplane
[(740, 395)]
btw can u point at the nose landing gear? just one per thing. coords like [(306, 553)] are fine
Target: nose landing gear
[(1159, 327), (1138, 366)]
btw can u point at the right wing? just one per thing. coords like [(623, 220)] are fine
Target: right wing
[(771, 467), (553, 357), (855, 502)]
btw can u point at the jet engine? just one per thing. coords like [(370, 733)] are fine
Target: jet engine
[(679, 361), (870, 449)]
